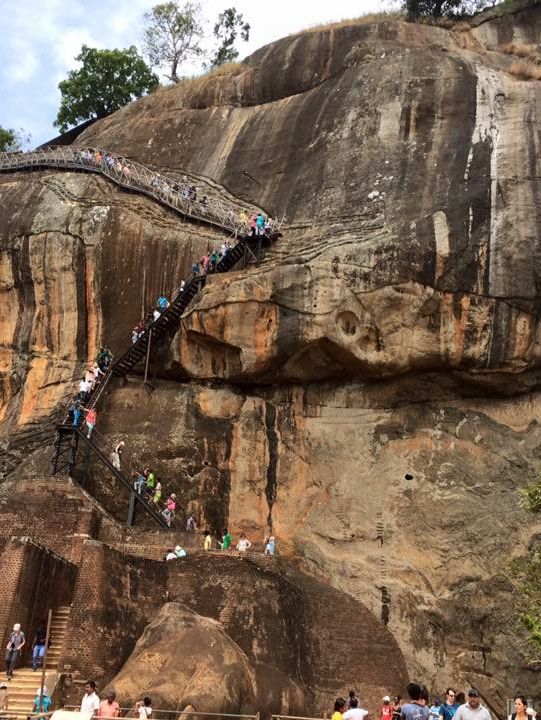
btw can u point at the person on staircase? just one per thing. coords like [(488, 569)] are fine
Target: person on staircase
[(15, 644), (91, 419), (90, 702), (157, 497), (170, 507), (270, 546), (150, 483), (116, 455), (162, 303), (84, 390), (38, 647), (207, 542), (191, 525), (260, 224)]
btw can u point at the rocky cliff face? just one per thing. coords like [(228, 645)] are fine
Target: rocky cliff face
[(370, 391)]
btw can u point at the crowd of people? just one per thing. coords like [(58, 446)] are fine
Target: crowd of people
[(178, 193), (92, 377), (224, 543), (455, 706), (109, 708)]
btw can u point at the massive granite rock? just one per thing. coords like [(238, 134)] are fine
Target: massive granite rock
[(373, 386), (183, 659)]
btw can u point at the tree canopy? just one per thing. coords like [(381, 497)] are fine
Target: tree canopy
[(173, 35), (107, 80), (441, 8), (13, 140), (230, 24)]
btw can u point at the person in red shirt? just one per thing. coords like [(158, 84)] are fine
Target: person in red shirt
[(91, 417), (387, 709)]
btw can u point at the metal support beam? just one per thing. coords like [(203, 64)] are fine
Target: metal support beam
[(148, 353), (131, 509)]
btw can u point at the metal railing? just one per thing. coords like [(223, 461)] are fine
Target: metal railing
[(172, 713), (132, 175)]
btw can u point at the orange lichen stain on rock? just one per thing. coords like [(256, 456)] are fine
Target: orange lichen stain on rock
[(219, 403), (55, 321), (93, 323), (248, 506), (9, 303), (41, 390), (523, 336)]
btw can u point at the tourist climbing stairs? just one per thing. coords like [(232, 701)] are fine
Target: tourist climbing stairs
[(100, 453), (22, 688)]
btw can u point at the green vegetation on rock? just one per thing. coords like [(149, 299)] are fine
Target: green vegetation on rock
[(107, 80)]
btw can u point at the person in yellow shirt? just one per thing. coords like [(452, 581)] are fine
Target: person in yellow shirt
[(207, 542), (339, 705)]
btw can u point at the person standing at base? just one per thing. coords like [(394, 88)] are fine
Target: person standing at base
[(90, 702), (414, 709), (355, 712), (472, 709), (4, 697), (15, 644), (243, 543), (226, 540), (109, 708), (387, 709), (143, 708), (450, 706), (522, 711), (339, 707), (207, 542)]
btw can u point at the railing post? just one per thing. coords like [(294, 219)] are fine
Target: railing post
[(131, 509), (148, 353), (44, 664)]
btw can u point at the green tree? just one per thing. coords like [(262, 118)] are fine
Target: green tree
[(173, 35), (230, 24), (107, 80), (441, 8), (13, 140)]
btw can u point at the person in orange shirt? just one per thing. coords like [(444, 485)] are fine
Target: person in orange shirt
[(109, 708)]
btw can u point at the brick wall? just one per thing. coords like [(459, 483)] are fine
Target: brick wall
[(320, 637), (34, 580), (115, 597), (258, 608), (57, 513)]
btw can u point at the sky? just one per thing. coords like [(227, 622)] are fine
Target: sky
[(40, 39)]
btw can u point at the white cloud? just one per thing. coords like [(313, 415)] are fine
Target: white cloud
[(41, 39)]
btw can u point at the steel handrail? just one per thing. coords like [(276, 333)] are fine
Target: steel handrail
[(133, 175)]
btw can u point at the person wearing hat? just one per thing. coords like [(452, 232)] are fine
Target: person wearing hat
[(4, 697), (387, 709), (42, 702), (472, 709), (180, 552)]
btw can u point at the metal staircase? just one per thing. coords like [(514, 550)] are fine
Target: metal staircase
[(67, 444)]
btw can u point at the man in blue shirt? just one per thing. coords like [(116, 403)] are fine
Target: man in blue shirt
[(414, 709), (450, 706)]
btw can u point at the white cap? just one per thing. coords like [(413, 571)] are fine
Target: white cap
[(386, 699)]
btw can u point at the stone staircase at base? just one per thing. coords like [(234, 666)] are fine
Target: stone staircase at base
[(22, 688)]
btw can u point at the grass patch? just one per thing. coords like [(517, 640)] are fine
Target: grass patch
[(196, 82), (525, 70), (367, 19), (522, 50)]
